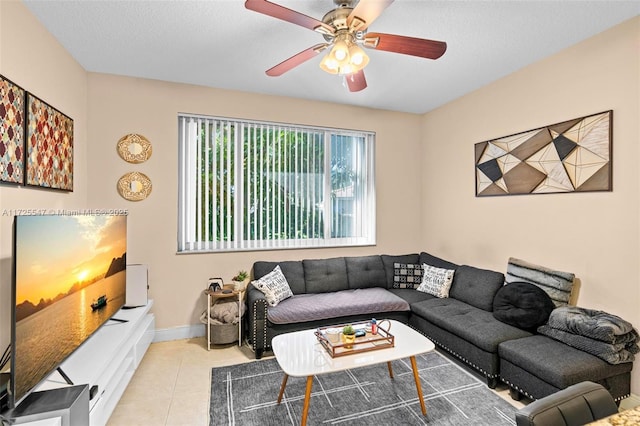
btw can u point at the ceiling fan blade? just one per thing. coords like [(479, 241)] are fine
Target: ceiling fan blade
[(356, 81), (280, 12), (429, 49), (366, 11), (296, 60)]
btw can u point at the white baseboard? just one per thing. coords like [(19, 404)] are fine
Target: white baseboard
[(178, 333), (630, 402)]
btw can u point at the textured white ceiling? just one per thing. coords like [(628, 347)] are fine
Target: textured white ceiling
[(219, 43)]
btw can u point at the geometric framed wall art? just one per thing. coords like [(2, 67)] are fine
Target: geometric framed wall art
[(12, 101), (49, 146), (572, 156)]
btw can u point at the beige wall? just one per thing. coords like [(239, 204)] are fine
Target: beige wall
[(595, 235), (121, 105), (33, 59)]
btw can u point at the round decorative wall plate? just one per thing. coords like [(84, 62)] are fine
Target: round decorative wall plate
[(134, 186), (134, 148)]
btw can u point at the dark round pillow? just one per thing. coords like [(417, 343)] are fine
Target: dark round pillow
[(522, 305)]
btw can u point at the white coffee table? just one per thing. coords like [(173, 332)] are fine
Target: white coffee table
[(299, 354)]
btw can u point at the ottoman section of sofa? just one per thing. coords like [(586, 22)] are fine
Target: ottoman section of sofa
[(469, 333), (474, 325), (538, 366)]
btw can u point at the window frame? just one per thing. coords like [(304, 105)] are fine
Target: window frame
[(189, 180)]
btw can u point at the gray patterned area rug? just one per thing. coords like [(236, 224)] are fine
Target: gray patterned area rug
[(246, 394)]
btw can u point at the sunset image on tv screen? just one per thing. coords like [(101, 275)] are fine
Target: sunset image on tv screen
[(70, 277)]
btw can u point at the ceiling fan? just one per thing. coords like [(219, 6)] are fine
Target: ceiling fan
[(345, 31)]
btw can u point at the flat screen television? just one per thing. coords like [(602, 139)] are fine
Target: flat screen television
[(69, 278)]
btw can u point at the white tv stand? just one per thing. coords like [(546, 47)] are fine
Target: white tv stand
[(108, 360)]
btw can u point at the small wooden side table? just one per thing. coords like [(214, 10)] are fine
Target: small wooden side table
[(212, 297)]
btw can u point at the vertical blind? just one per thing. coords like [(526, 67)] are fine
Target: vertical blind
[(255, 185)]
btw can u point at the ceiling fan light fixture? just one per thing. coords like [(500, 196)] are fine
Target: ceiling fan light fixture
[(330, 65), (340, 50), (354, 61), (345, 56), (359, 59), (347, 69)]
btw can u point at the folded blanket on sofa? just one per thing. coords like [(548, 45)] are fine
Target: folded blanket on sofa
[(611, 353), (557, 284), (594, 324), (317, 306)]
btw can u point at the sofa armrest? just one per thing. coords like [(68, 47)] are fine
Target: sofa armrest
[(256, 297), (257, 320), (581, 403)]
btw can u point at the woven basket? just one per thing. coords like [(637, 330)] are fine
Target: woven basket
[(221, 334)]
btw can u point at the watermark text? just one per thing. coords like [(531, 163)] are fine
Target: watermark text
[(63, 212)]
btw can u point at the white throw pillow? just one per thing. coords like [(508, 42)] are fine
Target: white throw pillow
[(274, 286), (436, 281)]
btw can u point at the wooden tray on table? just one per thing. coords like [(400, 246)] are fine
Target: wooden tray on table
[(369, 342)]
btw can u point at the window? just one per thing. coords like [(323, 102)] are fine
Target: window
[(255, 185)]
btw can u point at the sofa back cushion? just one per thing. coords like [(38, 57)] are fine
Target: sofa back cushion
[(325, 275), (436, 261), (388, 261), (292, 271), (366, 272), (475, 286)]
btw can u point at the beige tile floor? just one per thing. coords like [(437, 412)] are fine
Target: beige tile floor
[(172, 384)]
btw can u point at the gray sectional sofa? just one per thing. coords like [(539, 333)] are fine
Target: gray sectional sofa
[(346, 289)]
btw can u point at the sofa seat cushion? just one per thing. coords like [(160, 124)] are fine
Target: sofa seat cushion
[(410, 295), (556, 363), (313, 307), (474, 325)]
